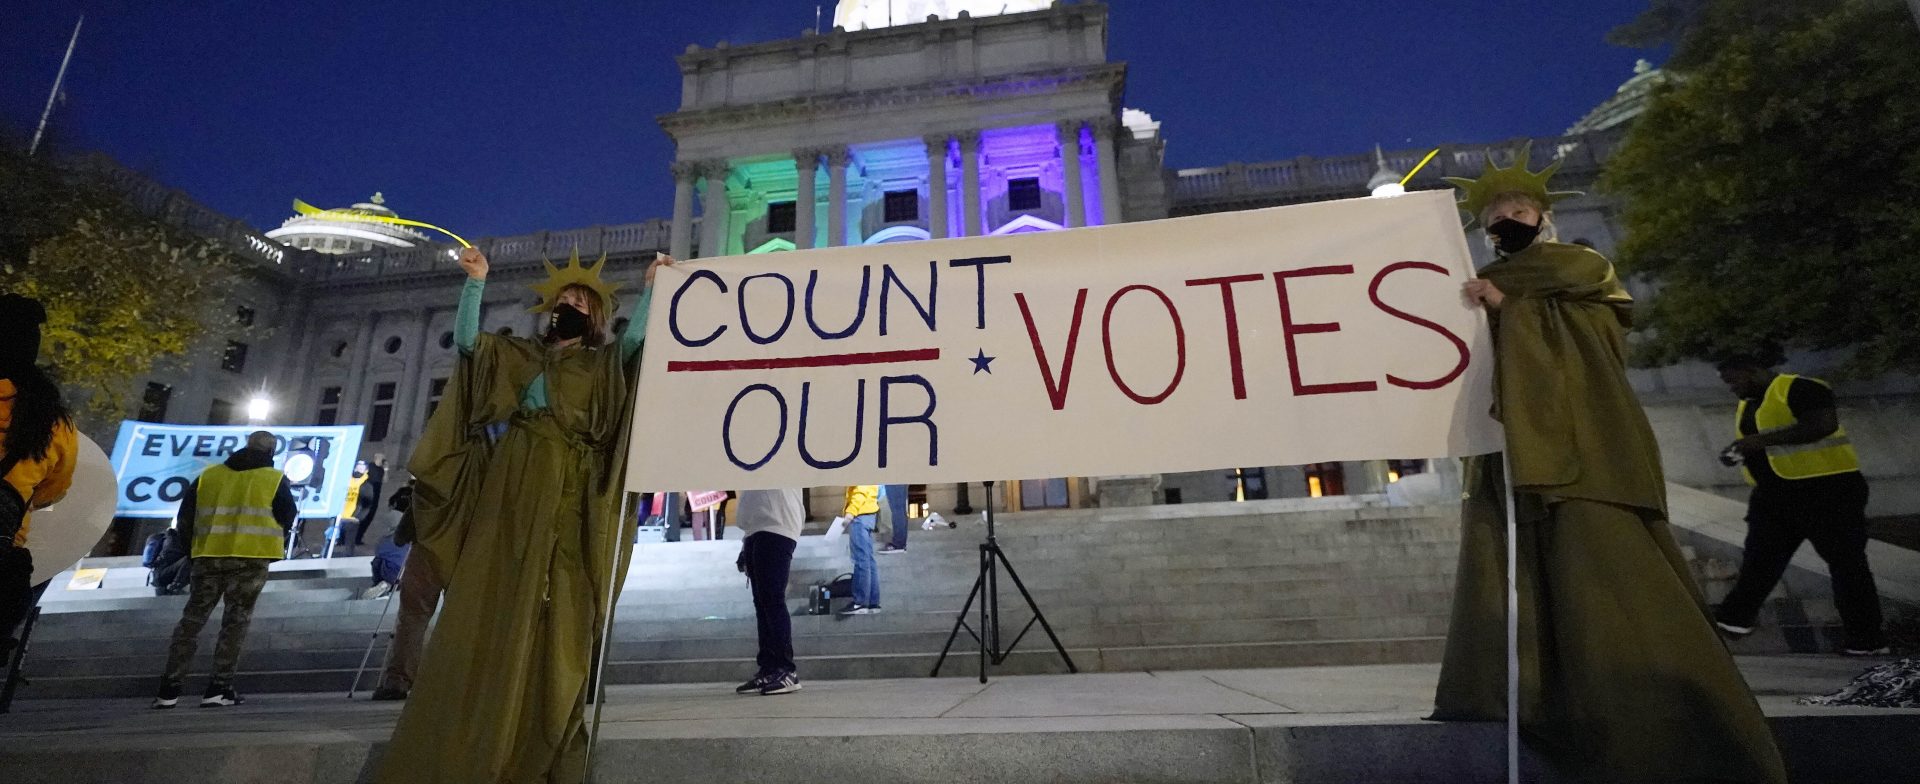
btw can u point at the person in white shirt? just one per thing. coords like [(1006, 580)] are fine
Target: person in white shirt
[(771, 521)]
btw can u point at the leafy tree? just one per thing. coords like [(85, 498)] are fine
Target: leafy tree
[(1772, 191), (123, 291)]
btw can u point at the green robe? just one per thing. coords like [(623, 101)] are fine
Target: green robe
[(1623, 678), (525, 530)]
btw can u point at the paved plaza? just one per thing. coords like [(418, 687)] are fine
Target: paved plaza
[(1310, 724)]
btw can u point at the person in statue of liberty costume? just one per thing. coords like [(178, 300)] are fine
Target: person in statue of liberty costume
[(1622, 676), (524, 532)]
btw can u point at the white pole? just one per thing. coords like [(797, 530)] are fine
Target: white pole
[(623, 525), (51, 96), (1513, 622)]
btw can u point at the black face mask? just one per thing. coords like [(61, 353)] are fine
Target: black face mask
[(567, 323), (1512, 236)]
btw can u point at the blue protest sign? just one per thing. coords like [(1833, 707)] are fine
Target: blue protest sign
[(154, 464)]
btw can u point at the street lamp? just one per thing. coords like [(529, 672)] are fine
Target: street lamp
[(258, 408)]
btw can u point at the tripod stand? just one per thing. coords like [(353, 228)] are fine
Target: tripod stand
[(986, 591)]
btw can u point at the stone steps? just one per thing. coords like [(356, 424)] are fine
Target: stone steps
[(1203, 586)]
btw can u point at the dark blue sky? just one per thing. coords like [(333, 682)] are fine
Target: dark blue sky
[(517, 117)]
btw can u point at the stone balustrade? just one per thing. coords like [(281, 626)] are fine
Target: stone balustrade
[(1306, 178)]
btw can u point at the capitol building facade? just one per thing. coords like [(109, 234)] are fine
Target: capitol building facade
[(908, 120)]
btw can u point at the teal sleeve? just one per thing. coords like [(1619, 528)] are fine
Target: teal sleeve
[(466, 321), (636, 333)]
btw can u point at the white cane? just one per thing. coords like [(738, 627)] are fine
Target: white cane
[(375, 637), (1513, 623), (606, 628)]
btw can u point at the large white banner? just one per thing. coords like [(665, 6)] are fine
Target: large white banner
[(1302, 334)]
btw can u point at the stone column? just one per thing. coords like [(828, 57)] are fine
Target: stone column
[(680, 239), (412, 378), (837, 160), (1070, 158), (969, 185), (353, 399), (806, 163), (713, 238), (937, 185), (1104, 154)]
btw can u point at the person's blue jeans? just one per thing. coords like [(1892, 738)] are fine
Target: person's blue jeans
[(895, 497), (866, 576)]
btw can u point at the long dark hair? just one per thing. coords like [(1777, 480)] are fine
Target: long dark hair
[(37, 410)]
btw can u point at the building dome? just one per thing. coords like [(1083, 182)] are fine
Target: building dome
[(1626, 103), (339, 237), (875, 14)]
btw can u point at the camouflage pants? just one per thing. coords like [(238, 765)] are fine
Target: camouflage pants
[(238, 581)]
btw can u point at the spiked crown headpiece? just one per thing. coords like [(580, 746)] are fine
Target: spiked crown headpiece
[(559, 278), (1476, 195)]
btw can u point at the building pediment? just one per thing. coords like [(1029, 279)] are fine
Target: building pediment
[(1109, 77)]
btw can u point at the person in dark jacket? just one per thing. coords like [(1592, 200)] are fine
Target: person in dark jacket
[(173, 569), (236, 515), (390, 554), (370, 497), (1807, 486)]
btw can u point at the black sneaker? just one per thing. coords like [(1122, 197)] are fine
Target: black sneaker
[(385, 694), (759, 682), (1732, 631), (784, 683), (224, 698), (168, 697)]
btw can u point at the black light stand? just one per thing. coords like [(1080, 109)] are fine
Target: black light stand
[(986, 590)]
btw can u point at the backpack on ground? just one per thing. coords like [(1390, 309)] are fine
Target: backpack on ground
[(150, 554), (820, 597)]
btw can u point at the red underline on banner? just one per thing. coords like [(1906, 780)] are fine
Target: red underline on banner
[(822, 360)]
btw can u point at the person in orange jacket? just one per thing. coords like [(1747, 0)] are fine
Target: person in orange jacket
[(39, 448)]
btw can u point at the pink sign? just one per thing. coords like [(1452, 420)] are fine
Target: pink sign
[(702, 500)]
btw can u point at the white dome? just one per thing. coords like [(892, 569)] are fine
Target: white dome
[(875, 14), (342, 237)]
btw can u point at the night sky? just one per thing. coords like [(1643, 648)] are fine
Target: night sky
[(519, 117)]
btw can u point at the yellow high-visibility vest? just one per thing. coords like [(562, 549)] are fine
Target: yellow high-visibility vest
[(1825, 457), (353, 495), (234, 514)]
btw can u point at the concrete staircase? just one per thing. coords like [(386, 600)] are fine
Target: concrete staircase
[(1293, 582), (1275, 583)]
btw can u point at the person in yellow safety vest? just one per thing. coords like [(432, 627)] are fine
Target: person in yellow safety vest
[(1807, 485), (354, 511), (236, 515)]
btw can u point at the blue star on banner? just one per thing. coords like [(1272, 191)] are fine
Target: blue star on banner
[(981, 362)]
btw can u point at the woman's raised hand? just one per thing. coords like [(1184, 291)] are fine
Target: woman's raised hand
[(659, 260), (474, 262)]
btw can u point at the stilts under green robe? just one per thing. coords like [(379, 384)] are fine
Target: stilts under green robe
[(524, 529), (1623, 678)]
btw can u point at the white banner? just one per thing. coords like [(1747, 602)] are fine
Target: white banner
[(1302, 334)]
